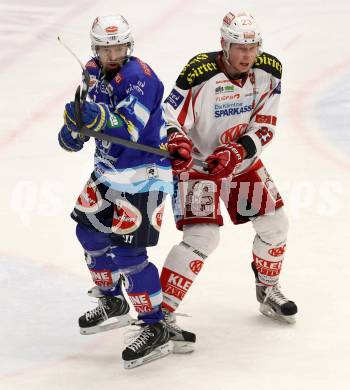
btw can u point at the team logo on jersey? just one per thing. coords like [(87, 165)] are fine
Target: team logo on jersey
[(196, 266), (90, 199), (233, 133), (126, 218), (174, 99), (157, 216)]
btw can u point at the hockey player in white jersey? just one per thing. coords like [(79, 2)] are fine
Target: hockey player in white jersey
[(223, 110)]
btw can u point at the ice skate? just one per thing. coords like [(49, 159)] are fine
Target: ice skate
[(183, 340), (110, 313), (274, 304), (152, 343)]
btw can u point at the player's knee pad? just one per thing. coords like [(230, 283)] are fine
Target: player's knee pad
[(272, 229), (202, 237), (128, 259)]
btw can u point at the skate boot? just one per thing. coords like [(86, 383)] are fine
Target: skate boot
[(183, 340), (152, 343), (110, 313), (273, 303)]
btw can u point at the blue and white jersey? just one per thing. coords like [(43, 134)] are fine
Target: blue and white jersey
[(135, 95)]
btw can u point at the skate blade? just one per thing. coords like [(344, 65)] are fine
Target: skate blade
[(269, 312), (157, 353), (183, 346), (118, 322)]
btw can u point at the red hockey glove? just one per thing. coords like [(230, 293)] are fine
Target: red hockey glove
[(180, 147), (225, 159)]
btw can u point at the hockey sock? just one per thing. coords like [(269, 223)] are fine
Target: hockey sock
[(181, 267), (141, 282), (267, 261), (145, 293)]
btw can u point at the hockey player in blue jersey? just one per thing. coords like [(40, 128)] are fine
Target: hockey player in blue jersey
[(119, 212)]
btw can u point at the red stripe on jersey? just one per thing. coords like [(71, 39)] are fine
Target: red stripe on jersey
[(182, 116), (261, 107), (258, 110)]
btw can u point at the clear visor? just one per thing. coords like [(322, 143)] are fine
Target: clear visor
[(113, 54)]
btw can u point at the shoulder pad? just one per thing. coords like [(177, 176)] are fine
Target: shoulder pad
[(145, 68), (200, 68), (269, 64)]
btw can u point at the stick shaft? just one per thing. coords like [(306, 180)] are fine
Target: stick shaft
[(133, 145)]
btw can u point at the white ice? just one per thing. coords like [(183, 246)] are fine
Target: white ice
[(43, 277)]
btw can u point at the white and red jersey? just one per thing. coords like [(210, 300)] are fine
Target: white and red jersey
[(213, 109)]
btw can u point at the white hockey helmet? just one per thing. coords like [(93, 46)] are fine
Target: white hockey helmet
[(239, 28), (111, 30)]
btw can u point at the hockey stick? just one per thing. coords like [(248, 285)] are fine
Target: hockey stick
[(120, 141), (86, 75)]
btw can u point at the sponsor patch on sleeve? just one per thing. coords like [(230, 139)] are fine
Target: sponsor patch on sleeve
[(268, 119), (174, 99)]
